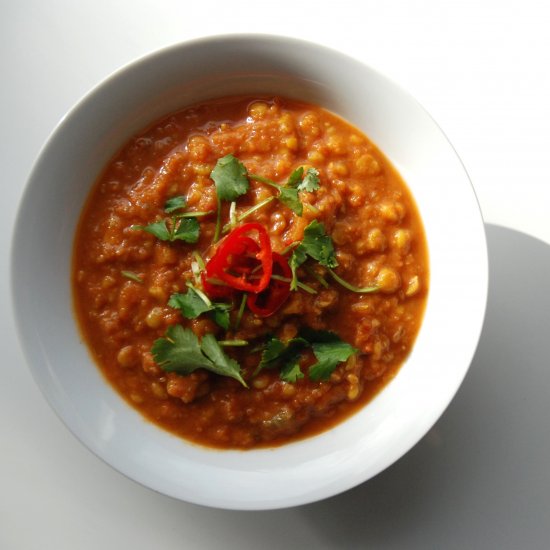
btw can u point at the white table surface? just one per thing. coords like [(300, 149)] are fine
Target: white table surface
[(481, 477)]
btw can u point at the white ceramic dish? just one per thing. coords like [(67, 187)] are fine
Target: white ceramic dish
[(307, 470)]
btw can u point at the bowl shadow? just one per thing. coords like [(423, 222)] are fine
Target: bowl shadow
[(481, 477)]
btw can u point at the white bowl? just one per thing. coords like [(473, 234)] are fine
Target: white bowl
[(307, 470)]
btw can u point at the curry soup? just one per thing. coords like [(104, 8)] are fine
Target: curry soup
[(249, 271)]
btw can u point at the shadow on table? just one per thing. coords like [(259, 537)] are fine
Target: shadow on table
[(481, 477)]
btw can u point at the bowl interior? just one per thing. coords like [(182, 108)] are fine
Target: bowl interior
[(303, 471)]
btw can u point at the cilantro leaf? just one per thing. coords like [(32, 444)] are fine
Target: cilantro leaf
[(291, 372), (285, 355), (230, 177), (194, 303), (190, 304), (180, 351), (221, 363), (289, 197), (186, 230), (299, 256), (310, 182), (296, 177), (158, 229), (317, 245), (174, 204), (329, 350), (271, 353), (220, 314)]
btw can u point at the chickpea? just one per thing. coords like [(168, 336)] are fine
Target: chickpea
[(376, 241), (367, 165), (413, 286), (257, 110), (392, 211), (154, 318), (402, 240), (388, 280), (127, 357)]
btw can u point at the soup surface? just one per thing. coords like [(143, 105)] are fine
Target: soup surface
[(249, 271)]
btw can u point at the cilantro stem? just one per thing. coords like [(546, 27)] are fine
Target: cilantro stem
[(194, 214), (286, 250), (267, 181), (301, 285), (312, 208), (214, 281), (197, 267), (218, 222), (307, 288), (132, 276), (233, 343), (196, 270), (241, 311), (199, 260), (349, 286), (316, 276), (232, 215), (227, 227)]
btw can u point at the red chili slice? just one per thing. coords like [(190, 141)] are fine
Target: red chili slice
[(215, 291), (240, 261), (268, 301)]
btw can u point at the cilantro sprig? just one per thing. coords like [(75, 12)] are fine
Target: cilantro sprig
[(288, 193), (181, 226), (328, 348), (180, 351), (231, 179), (195, 302), (316, 244), (278, 354)]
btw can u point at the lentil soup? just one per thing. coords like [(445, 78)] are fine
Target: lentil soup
[(249, 271)]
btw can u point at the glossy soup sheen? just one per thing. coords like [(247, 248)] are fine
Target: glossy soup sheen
[(366, 209)]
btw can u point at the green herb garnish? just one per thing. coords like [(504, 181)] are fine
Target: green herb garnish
[(329, 350), (180, 351), (288, 194), (132, 276), (316, 244), (181, 226), (277, 353), (231, 181), (174, 204), (194, 303), (310, 181)]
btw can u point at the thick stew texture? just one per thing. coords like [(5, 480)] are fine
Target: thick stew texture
[(249, 271)]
